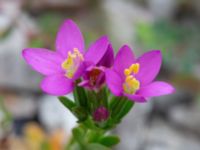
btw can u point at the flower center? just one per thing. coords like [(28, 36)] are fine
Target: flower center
[(131, 84), (93, 76), (71, 64)]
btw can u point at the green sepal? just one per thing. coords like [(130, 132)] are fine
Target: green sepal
[(115, 106), (119, 106), (125, 108), (92, 101), (80, 113), (67, 102), (109, 141), (102, 97), (80, 97)]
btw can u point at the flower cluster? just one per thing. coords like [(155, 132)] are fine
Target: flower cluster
[(126, 75), (88, 74)]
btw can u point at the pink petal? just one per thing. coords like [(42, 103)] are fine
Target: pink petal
[(123, 60), (57, 85), (108, 59), (150, 64), (84, 83), (42, 60), (114, 82), (136, 98), (80, 71), (157, 88), (69, 37), (97, 50)]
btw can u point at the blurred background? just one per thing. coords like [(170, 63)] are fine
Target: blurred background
[(31, 120)]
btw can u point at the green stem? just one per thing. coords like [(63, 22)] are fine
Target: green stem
[(87, 138)]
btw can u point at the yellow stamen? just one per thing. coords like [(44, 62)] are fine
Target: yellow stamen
[(67, 63), (135, 68), (131, 84), (71, 64), (76, 51), (129, 78), (127, 72)]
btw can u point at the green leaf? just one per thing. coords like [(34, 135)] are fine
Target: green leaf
[(95, 146), (79, 134), (93, 136), (80, 96), (110, 141), (67, 102), (90, 124), (74, 146)]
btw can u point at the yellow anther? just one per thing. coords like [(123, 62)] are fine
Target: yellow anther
[(131, 85), (67, 63), (129, 78), (127, 72), (77, 53), (136, 84), (131, 82), (72, 62), (72, 55), (70, 74), (135, 68)]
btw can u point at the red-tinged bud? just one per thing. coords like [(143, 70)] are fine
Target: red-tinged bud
[(101, 114)]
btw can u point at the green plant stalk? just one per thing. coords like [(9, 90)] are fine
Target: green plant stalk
[(91, 134), (86, 137)]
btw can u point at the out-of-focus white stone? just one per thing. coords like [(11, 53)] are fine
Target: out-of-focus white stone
[(54, 115), (160, 136), (188, 117), (13, 70), (21, 106), (137, 134), (163, 123), (133, 127), (9, 11)]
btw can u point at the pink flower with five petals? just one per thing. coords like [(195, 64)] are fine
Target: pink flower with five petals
[(133, 77), (64, 66)]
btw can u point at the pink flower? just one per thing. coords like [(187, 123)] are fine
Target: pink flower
[(133, 77), (94, 76), (64, 66)]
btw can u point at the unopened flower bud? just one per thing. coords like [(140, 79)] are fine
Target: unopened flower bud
[(101, 114)]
